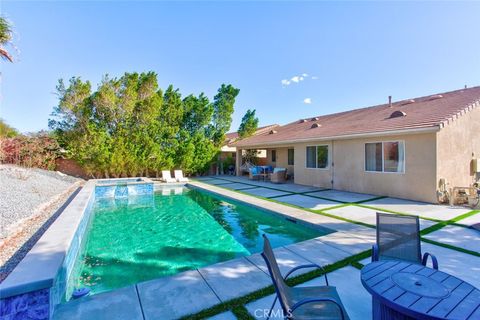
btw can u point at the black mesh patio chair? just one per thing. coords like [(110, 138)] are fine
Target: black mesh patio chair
[(322, 302), (398, 238)]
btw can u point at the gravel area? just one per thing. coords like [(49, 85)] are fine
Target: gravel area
[(24, 191), (30, 201)]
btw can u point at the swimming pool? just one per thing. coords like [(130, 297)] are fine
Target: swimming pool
[(137, 238)]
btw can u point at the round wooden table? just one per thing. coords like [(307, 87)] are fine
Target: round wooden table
[(403, 290)]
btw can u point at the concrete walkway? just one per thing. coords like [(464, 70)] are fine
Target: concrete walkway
[(461, 237)]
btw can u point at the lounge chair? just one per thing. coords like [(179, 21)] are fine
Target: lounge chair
[(398, 238), (166, 177), (321, 302), (279, 175), (179, 176)]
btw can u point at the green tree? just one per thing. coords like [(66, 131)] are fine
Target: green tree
[(128, 126), (5, 38), (249, 124), (223, 106)]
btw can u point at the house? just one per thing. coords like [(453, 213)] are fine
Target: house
[(228, 152), (399, 149)]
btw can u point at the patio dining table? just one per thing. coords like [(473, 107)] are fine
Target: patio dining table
[(264, 172), (404, 290)]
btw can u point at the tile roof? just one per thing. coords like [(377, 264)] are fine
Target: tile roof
[(424, 112), (232, 136)]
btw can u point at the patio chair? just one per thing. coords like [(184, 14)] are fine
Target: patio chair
[(321, 302), (166, 177), (398, 238), (254, 173), (279, 175), (179, 176)]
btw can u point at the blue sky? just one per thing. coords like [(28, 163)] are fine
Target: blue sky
[(359, 53)]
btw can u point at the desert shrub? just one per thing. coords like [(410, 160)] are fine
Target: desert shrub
[(37, 151)]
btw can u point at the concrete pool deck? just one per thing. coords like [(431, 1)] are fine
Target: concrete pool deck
[(195, 290)]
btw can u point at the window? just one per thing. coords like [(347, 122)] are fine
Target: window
[(394, 156), (311, 158), (317, 157), (291, 156), (322, 156), (385, 156), (373, 156), (274, 155)]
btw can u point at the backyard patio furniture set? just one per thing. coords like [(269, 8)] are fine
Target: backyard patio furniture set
[(275, 175), (401, 285)]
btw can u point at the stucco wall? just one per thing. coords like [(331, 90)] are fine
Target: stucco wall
[(282, 159), (348, 170), (311, 176), (457, 144)]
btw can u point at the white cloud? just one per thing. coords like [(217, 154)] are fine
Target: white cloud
[(307, 100), (297, 79)]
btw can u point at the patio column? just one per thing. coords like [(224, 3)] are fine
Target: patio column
[(238, 162)]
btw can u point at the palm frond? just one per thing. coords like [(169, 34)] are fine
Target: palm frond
[(5, 55)]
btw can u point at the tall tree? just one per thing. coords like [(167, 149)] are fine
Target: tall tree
[(249, 124), (5, 38), (223, 106)]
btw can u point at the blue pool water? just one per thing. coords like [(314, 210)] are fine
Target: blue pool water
[(137, 238)]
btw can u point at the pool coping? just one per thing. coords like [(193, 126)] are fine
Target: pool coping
[(139, 180)]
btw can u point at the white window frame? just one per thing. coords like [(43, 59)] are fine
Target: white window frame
[(383, 157), (316, 154)]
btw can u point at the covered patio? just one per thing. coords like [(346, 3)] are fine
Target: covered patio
[(275, 157)]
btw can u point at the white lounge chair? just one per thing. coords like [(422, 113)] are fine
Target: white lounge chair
[(166, 176), (179, 176)]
